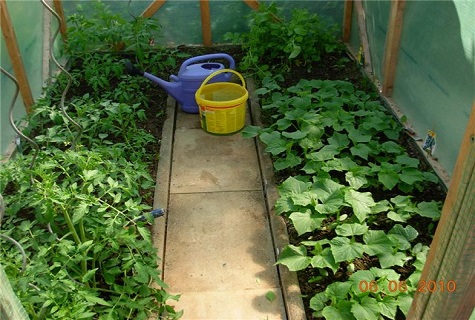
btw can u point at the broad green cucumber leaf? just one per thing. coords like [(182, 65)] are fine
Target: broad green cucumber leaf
[(342, 311), (274, 141), (361, 150), (404, 302), (429, 210), (290, 160), (388, 178), (367, 309), (345, 250), (389, 259), (338, 290), (293, 257), (361, 202), (351, 229), (318, 301), (250, 131), (377, 242), (325, 260), (306, 221)]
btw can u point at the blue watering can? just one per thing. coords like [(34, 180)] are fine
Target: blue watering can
[(190, 76)]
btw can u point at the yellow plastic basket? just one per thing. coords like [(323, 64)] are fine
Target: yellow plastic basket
[(222, 105)]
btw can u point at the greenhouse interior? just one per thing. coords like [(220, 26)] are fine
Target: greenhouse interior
[(240, 159)]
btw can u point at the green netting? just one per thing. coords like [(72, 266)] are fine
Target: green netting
[(377, 16), (27, 19), (181, 20), (435, 77)]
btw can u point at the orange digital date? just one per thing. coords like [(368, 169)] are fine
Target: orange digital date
[(433, 286), (401, 286)]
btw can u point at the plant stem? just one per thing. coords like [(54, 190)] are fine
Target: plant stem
[(71, 226)]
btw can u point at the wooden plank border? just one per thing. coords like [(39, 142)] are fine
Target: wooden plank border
[(393, 41), (15, 56)]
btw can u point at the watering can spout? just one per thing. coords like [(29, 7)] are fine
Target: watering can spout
[(172, 88)]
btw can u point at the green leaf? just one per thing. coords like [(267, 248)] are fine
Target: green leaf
[(80, 211), (368, 309), (404, 302), (356, 179), (429, 210), (325, 260), (388, 178), (318, 301), (295, 52), (361, 202), (339, 140), (377, 242), (389, 259), (357, 136), (361, 150), (411, 175), (305, 198), (270, 295), (338, 290), (342, 311), (330, 203), (291, 160), (287, 190), (388, 306), (400, 216), (380, 206), (282, 124), (358, 278), (275, 143), (351, 229), (407, 160), (141, 274), (306, 221), (326, 153), (391, 147), (345, 250), (250, 131), (403, 235), (295, 258), (296, 135), (97, 300), (89, 174), (88, 276)]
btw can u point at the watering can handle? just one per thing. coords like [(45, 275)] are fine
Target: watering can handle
[(207, 57)]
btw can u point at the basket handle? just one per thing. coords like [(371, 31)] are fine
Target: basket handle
[(208, 78)]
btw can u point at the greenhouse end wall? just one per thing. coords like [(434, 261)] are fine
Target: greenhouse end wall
[(435, 75)]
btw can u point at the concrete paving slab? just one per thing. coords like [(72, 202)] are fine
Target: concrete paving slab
[(206, 163), (241, 305), (219, 242), (187, 121)]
